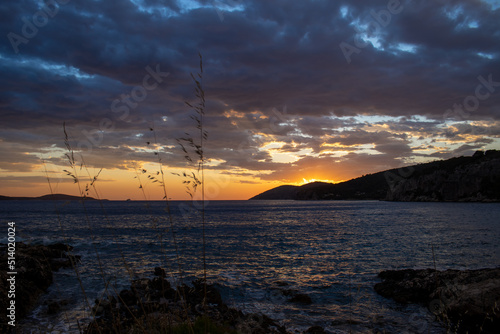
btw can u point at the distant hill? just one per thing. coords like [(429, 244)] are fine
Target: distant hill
[(475, 178), (53, 197), (281, 192)]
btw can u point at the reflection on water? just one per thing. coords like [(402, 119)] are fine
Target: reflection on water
[(257, 251)]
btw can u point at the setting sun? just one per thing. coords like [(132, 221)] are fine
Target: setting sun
[(306, 181)]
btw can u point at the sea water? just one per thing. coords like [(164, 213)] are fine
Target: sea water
[(329, 250)]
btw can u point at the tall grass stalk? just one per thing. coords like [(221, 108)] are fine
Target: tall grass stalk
[(159, 177), (161, 174), (112, 229), (84, 193), (66, 239), (70, 155), (193, 181)]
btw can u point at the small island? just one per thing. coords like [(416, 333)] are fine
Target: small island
[(50, 197)]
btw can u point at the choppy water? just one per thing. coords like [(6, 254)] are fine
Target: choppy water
[(332, 251)]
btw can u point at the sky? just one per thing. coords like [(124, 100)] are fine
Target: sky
[(295, 91)]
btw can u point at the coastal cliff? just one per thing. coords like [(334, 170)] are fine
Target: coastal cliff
[(468, 179)]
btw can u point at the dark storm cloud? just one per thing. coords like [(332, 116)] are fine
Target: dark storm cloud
[(264, 56)]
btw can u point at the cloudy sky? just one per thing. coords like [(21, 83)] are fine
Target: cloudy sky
[(295, 90)]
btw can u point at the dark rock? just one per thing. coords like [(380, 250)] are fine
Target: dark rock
[(60, 247), (155, 306), (469, 299), (281, 283), (315, 330), (301, 298), (289, 292), (53, 308), (160, 272), (103, 305), (416, 287), (340, 322), (127, 297), (34, 265), (196, 296), (294, 296), (162, 287), (60, 262)]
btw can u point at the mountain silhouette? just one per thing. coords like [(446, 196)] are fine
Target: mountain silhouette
[(474, 178)]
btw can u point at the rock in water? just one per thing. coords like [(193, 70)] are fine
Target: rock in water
[(315, 330), (34, 265), (152, 306), (301, 298), (469, 300)]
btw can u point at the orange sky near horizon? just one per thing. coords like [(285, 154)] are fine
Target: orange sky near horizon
[(124, 184), (120, 181)]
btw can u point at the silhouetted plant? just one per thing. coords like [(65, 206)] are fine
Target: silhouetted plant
[(195, 144)]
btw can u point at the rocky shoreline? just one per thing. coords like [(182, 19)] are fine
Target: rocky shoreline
[(466, 301), (152, 305), (34, 265), (148, 305)]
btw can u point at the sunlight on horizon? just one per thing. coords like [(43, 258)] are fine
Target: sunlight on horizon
[(306, 181)]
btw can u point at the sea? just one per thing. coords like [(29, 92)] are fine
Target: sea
[(330, 250)]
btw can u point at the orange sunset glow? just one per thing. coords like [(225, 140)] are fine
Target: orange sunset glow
[(286, 101)]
